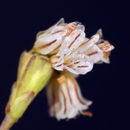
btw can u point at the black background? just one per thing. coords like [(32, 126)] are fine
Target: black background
[(106, 85)]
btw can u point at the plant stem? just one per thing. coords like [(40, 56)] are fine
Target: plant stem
[(7, 123)]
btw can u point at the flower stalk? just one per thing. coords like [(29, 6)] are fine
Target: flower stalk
[(7, 123)]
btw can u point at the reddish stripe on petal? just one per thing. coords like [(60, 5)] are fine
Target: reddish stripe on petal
[(64, 101), (76, 90), (73, 40), (59, 65), (69, 93), (48, 44), (56, 48), (82, 66), (92, 53), (57, 31), (77, 62)]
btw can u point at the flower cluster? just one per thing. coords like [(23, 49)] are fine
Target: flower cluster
[(70, 49), (71, 53), (59, 55)]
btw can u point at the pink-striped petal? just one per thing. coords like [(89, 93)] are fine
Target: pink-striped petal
[(65, 98)]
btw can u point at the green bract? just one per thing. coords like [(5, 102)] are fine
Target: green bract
[(33, 73)]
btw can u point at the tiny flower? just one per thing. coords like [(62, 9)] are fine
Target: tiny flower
[(65, 98), (50, 40), (106, 48)]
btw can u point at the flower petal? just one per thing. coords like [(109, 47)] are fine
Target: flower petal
[(72, 41), (88, 43), (95, 54), (79, 64), (66, 98), (49, 41)]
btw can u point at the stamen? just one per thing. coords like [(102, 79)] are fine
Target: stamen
[(61, 79), (106, 46), (71, 27), (87, 113), (106, 54)]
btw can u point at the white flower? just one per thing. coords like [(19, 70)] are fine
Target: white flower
[(49, 41), (65, 98)]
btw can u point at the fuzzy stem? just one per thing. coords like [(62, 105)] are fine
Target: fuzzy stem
[(7, 123)]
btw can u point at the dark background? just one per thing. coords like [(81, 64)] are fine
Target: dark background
[(107, 85)]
